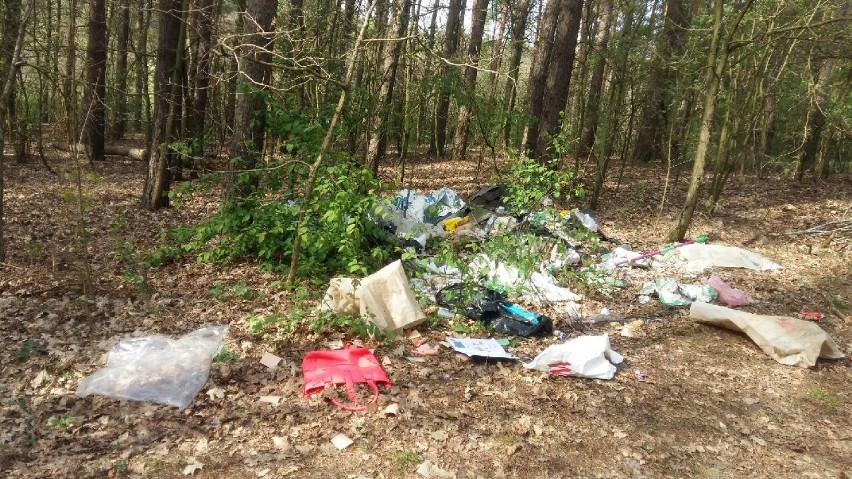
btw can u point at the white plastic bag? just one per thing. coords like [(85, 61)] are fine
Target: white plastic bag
[(586, 357), (156, 368), (700, 256)]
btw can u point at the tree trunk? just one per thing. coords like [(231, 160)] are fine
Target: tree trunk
[(170, 38), (590, 123), (510, 92), (497, 51), (69, 89), (538, 72), (816, 120), (378, 141), (717, 59), (657, 110), (255, 72), (480, 10), (93, 107), (202, 21), (11, 42), (555, 95), (451, 45), (143, 97), (119, 125)]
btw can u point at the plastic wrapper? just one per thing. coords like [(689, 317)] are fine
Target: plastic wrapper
[(700, 256), (156, 368)]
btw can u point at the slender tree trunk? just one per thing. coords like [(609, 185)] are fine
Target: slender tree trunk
[(717, 59), (69, 89), (254, 76), (497, 51), (170, 38), (480, 10), (555, 95), (816, 120), (96, 80), (378, 141), (451, 45), (657, 109), (119, 125), (590, 123), (510, 92), (143, 97)]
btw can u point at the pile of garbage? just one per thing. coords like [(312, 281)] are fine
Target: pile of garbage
[(516, 293)]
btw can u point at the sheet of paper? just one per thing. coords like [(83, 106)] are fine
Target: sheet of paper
[(486, 348)]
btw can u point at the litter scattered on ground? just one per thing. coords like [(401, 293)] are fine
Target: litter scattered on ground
[(586, 356), (417, 217), (811, 315), (790, 341), (384, 298), (639, 375), (727, 295), (348, 366), (341, 441), (426, 349), (274, 400), (270, 360), (622, 256), (392, 410), (490, 307), (481, 348), (632, 329), (701, 256), (672, 293), (156, 368)]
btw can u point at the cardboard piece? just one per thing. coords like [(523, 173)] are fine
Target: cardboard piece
[(790, 341)]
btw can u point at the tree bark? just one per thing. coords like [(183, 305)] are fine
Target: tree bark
[(119, 125), (255, 72), (202, 21), (590, 123), (96, 80), (816, 120), (480, 10), (378, 142), (451, 45), (14, 27), (69, 89), (170, 38), (510, 92), (555, 94), (657, 110), (538, 72)]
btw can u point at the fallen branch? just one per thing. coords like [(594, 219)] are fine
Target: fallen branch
[(118, 150), (823, 229)]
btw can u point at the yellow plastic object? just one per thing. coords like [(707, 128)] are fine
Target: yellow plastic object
[(453, 223)]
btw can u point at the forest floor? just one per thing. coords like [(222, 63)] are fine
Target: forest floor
[(713, 405)]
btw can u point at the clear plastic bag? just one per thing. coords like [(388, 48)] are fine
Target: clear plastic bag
[(156, 368)]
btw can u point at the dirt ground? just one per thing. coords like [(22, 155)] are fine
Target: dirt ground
[(712, 405)]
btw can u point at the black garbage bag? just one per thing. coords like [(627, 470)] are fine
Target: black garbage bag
[(491, 307)]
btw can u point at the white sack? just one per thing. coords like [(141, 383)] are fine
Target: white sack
[(588, 356), (700, 256)]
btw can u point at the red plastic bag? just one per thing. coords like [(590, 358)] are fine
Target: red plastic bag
[(728, 295), (348, 366)]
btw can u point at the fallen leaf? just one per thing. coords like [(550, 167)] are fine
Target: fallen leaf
[(280, 442), (341, 441), (274, 400), (215, 393), (428, 469), (39, 379), (193, 466), (262, 472), (426, 349), (270, 360)]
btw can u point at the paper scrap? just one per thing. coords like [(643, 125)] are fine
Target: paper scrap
[(270, 360), (274, 400), (341, 441), (486, 348)]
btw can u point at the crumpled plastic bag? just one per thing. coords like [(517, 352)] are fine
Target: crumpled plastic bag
[(417, 216), (700, 256), (790, 341), (156, 368), (585, 356), (385, 298), (727, 295), (672, 293)]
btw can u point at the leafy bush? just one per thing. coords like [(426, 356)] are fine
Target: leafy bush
[(531, 180)]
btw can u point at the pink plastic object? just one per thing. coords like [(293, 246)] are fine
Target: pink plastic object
[(728, 295), (348, 366)]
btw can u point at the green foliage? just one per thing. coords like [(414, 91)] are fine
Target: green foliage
[(225, 356), (62, 422), (824, 396), (530, 181), (407, 460), (24, 352), (341, 235)]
